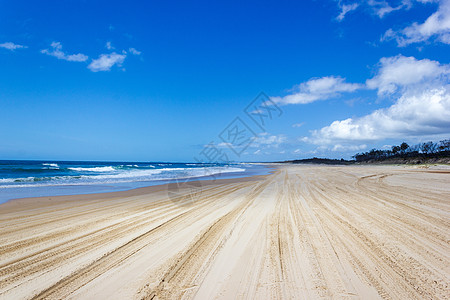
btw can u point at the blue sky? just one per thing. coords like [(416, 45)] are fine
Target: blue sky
[(161, 80)]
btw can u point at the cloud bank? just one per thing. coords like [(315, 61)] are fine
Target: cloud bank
[(424, 114), (421, 107)]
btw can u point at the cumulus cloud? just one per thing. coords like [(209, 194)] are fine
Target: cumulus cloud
[(413, 115), (345, 9), (106, 61), (318, 89), (421, 109), (12, 46), (435, 26), (400, 72), (57, 52)]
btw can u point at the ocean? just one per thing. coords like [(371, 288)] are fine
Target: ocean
[(20, 179)]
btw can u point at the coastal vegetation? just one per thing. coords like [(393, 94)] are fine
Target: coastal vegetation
[(427, 152), (419, 153)]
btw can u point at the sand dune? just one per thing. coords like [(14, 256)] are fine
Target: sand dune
[(304, 232)]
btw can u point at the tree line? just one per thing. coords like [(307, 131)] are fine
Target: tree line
[(422, 150)]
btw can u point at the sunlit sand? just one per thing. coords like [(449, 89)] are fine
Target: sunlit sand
[(304, 232)]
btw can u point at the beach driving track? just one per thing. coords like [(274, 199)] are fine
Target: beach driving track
[(303, 232)]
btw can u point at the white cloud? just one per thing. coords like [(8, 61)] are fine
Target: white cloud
[(264, 141), (296, 125), (400, 72), (109, 46), (12, 46), (382, 8), (134, 51), (421, 109), (220, 145), (106, 61), (318, 89), (343, 148), (345, 9), (268, 141), (413, 115), (58, 53), (437, 25)]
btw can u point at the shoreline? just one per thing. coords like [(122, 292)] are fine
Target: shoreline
[(140, 191), (137, 185)]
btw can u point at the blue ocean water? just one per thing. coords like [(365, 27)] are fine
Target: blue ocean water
[(20, 179)]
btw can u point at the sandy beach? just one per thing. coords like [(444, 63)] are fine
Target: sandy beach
[(303, 232)]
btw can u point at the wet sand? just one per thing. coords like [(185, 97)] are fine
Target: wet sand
[(303, 232)]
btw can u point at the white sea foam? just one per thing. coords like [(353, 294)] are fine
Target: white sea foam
[(7, 180), (126, 174), (24, 179), (120, 177), (94, 169), (51, 166)]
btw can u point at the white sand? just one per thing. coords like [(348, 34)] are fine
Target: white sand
[(305, 232)]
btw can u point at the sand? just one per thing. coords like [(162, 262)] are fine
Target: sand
[(303, 232)]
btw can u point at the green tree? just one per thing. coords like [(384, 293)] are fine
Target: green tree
[(403, 147), (395, 149)]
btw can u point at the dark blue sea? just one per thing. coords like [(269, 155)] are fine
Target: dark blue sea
[(20, 179)]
